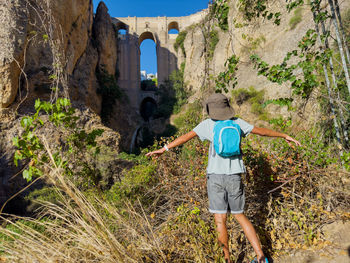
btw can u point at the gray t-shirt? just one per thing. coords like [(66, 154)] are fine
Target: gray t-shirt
[(216, 163)]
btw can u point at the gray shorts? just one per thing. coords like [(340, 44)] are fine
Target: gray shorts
[(225, 193)]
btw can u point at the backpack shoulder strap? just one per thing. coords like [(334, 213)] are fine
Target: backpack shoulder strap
[(240, 130)]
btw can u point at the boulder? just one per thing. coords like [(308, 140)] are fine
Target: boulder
[(13, 21)]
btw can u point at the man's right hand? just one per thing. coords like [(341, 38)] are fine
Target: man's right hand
[(289, 139), (157, 153)]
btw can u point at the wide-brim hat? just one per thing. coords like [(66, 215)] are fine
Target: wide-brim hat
[(218, 107)]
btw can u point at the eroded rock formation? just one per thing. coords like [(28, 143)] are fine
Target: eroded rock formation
[(13, 21), (106, 41), (86, 44)]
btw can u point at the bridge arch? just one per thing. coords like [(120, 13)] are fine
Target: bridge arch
[(147, 108), (147, 35), (156, 29), (173, 26), (122, 30), (120, 25)]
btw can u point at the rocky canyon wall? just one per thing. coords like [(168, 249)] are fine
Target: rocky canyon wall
[(85, 43), (24, 27), (261, 37)]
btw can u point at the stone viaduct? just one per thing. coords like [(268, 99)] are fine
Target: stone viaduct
[(137, 30)]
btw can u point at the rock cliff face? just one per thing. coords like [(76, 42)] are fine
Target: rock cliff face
[(87, 43), (262, 37), (13, 29), (106, 41), (276, 42)]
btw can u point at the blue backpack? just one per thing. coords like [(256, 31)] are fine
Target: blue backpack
[(227, 138)]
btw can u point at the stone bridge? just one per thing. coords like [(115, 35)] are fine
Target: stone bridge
[(137, 30)]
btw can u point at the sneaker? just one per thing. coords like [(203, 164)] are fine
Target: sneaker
[(255, 260)]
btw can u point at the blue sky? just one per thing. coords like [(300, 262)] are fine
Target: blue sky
[(150, 8)]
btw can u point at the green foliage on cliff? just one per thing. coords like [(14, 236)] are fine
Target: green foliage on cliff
[(296, 19), (252, 43), (252, 9), (310, 61), (149, 84), (179, 42), (37, 153), (227, 78), (173, 94), (219, 10), (254, 97), (213, 41)]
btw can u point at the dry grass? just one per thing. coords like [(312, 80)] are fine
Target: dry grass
[(169, 221), (78, 230)]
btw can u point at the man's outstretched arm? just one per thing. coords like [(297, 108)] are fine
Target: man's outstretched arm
[(272, 133), (178, 141)]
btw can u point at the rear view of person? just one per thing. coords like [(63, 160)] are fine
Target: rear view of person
[(225, 166)]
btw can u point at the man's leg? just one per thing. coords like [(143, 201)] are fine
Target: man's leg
[(220, 221), (250, 233)]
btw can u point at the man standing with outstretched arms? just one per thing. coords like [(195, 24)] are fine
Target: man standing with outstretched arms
[(224, 184)]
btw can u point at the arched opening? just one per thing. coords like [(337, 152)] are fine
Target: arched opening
[(148, 61), (173, 28), (146, 35), (122, 30), (148, 108)]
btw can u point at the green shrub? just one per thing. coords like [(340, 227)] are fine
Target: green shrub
[(281, 123), (179, 42), (46, 194), (254, 97), (134, 184), (173, 94), (296, 19), (76, 149), (186, 121), (148, 84), (252, 43), (252, 9), (19, 227), (220, 9), (166, 101), (227, 77), (213, 41)]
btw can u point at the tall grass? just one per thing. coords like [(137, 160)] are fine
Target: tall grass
[(78, 230)]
